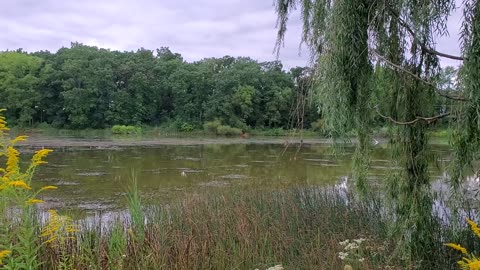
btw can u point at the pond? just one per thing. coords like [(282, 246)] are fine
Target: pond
[(94, 175)]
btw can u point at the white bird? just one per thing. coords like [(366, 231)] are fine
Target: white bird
[(375, 142), (183, 173)]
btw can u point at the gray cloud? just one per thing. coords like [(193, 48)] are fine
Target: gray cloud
[(196, 29), (450, 43)]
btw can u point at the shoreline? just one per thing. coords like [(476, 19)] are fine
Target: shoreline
[(36, 141)]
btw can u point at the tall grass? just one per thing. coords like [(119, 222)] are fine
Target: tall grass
[(300, 229), (249, 229)]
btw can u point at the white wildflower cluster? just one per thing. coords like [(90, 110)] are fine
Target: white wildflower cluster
[(342, 255), (352, 250), (344, 243), (276, 267), (359, 240)]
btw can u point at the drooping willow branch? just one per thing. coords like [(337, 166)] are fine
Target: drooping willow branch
[(421, 44), (417, 119), (440, 93)]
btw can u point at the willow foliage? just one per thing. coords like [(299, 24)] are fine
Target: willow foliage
[(346, 37), (467, 134)]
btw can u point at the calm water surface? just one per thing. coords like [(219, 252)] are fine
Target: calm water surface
[(96, 179)]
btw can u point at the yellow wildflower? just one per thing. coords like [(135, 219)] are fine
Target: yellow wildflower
[(3, 123), (457, 247), (474, 227), (19, 184), (467, 264), (71, 229), (19, 139), (12, 160), (39, 155), (34, 201), (469, 261), (4, 254), (58, 229), (48, 188)]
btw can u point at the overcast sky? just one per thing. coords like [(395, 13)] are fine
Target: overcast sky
[(194, 28)]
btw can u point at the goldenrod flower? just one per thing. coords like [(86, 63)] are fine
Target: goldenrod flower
[(58, 229), (19, 184), (3, 122), (467, 264), (48, 188), (469, 261), (474, 227), (4, 254), (19, 139), (39, 155), (457, 247), (34, 201), (12, 160)]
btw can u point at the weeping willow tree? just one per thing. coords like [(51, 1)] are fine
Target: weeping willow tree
[(466, 139), (346, 38)]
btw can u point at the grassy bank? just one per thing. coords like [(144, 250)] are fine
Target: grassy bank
[(437, 136), (148, 131)]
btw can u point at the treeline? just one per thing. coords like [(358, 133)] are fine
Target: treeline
[(87, 87)]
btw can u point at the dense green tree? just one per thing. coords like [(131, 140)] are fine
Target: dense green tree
[(19, 79), (88, 87)]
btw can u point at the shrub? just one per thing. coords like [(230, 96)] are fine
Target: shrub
[(44, 125), (126, 130), (228, 131), (212, 126), (187, 127), (217, 128), (275, 132), (318, 125)]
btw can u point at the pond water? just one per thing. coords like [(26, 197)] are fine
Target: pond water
[(96, 178)]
